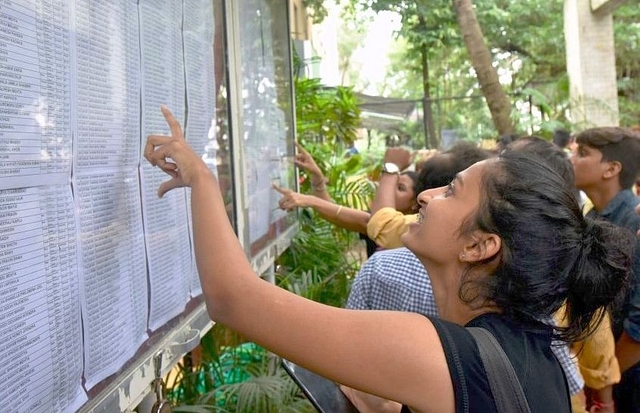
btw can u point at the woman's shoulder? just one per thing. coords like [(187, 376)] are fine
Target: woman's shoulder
[(526, 343), (521, 341), (506, 327), (503, 328), (470, 385), (528, 348)]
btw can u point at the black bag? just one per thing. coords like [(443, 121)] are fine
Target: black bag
[(505, 386)]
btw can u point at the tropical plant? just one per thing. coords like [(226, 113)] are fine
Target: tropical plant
[(323, 259), (228, 374), (326, 115), (316, 265), (317, 9), (627, 41), (245, 378)]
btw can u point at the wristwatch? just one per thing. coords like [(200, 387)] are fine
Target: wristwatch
[(390, 168)]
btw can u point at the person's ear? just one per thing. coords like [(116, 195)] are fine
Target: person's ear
[(612, 169), (482, 246)]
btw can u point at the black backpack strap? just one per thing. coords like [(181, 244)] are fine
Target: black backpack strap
[(505, 386)]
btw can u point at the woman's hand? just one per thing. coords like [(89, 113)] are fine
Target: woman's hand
[(173, 155), (305, 161), (399, 156), (291, 199), (602, 408), (368, 403)]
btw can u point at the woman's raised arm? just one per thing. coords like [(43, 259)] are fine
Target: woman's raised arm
[(395, 355)]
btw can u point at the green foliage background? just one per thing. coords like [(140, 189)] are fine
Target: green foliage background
[(526, 39)]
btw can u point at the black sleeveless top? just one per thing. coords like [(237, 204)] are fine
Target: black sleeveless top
[(528, 349)]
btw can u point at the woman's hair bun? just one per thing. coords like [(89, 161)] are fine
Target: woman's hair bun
[(601, 271)]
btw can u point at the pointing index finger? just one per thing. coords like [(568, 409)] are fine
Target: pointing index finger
[(174, 125), (300, 148), (283, 191)]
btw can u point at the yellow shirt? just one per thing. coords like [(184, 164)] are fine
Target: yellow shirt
[(596, 355), (387, 225)]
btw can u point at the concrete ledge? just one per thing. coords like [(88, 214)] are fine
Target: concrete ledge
[(602, 7)]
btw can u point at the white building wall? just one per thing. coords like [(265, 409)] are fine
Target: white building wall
[(324, 40), (591, 65)]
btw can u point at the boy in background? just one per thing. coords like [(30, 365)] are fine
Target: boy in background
[(606, 164)]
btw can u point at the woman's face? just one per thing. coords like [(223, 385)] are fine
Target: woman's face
[(405, 195), (436, 236)]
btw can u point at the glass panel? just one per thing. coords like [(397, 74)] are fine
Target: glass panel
[(268, 129), (223, 134)]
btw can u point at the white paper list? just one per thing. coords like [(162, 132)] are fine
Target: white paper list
[(35, 138), (107, 86), (165, 220), (40, 325), (198, 32), (113, 268), (39, 306), (106, 184)]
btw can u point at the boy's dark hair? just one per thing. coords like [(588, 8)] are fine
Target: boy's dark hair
[(616, 144), (561, 138), (555, 157), (506, 139), (440, 169)]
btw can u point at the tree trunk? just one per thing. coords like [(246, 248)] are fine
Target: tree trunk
[(431, 138), (497, 100)]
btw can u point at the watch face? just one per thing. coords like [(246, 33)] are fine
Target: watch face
[(390, 168)]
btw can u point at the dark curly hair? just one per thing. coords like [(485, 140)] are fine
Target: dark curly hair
[(413, 175), (440, 169), (550, 252)]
